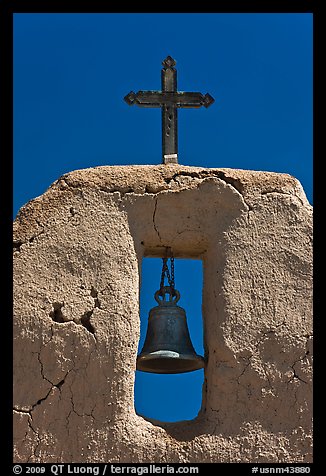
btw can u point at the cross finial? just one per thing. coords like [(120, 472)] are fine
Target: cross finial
[(169, 99), (169, 62)]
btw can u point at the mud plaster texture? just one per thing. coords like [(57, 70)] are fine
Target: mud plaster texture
[(77, 261)]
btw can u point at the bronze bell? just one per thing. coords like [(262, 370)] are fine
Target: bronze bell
[(167, 348)]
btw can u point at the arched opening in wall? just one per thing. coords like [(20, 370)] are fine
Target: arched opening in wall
[(172, 397)]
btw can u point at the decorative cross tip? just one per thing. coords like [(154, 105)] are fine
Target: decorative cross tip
[(208, 100), (130, 98), (169, 62)]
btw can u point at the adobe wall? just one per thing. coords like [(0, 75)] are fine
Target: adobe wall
[(77, 256)]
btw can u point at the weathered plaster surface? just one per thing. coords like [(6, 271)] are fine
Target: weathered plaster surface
[(77, 256)]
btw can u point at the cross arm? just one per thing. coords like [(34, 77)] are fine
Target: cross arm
[(163, 98)]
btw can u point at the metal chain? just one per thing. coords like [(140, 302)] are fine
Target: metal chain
[(166, 273), (172, 272), (164, 268)]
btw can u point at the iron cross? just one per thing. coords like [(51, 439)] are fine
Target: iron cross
[(169, 100)]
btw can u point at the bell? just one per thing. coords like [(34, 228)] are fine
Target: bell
[(167, 348)]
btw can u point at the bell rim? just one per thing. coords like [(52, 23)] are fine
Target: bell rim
[(170, 355)]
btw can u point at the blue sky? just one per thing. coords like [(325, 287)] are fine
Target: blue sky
[(71, 72)]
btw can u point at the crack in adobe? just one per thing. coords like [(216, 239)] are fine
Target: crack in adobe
[(216, 420), (270, 331), (122, 191), (38, 443), (42, 371), (17, 244), (245, 368), (40, 400), (29, 411), (59, 385), (295, 375), (29, 423), (67, 422), (236, 183), (281, 192), (73, 409), (154, 213), (85, 321), (21, 410)]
